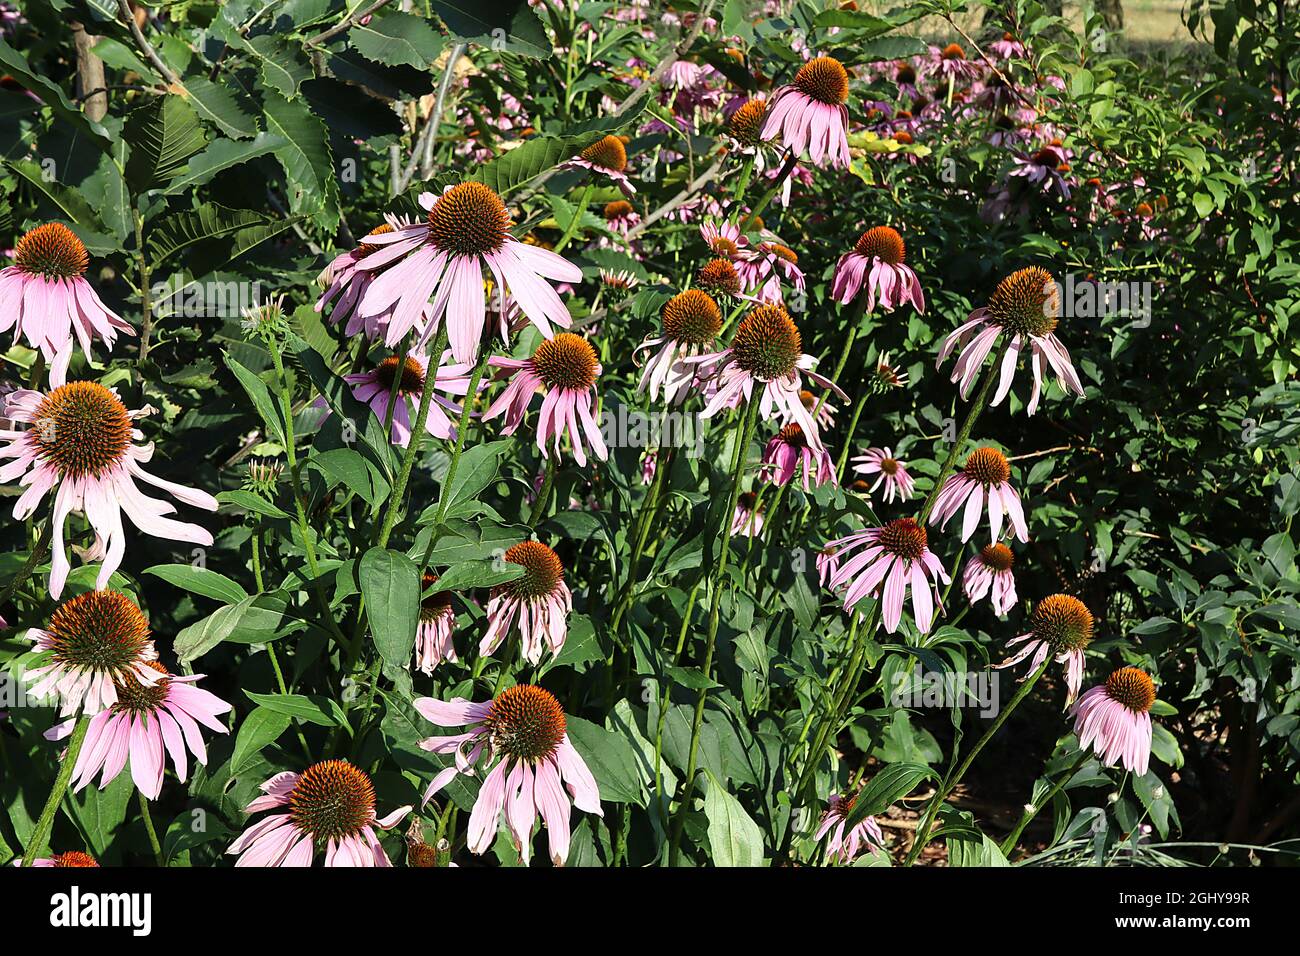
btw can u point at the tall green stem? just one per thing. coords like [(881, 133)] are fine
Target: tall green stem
[(711, 636), (1032, 810), (950, 782), (147, 818), (45, 822)]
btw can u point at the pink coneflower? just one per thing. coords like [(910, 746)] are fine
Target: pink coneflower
[(827, 562), (1026, 306), (691, 322), (46, 299), (774, 263), (93, 641), (766, 351), (331, 802), (466, 230), (951, 62), (649, 465), (525, 727), (747, 518), (822, 410), (81, 443), (725, 240), (847, 846), (897, 557), (888, 470), (620, 217), (1114, 719), (789, 449), (345, 280), (719, 277), (745, 128), (71, 858), (1060, 625), (607, 156), (147, 723), (876, 266), (887, 376), (809, 115), (1008, 47), (617, 284), (539, 599), (375, 388), (433, 634), (990, 570), (566, 368), (1046, 169), (985, 477), (681, 74)]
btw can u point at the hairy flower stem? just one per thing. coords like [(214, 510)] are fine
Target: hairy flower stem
[(299, 500), (738, 195), (544, 495), (951, 781), (45, 822), (418, 431), (848, 436), (640, 534), (462, 432), (976, 406), (147, 819), (786, 168), (1013, 837), (34, 557), (716, 575), (578, 210)]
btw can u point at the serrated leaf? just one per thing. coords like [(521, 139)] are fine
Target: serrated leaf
[(222, 154), (397, 39), (218, 105), (307, 160), (163, 135)]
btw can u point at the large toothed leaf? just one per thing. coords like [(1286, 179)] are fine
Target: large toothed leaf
[(307, 160), (398, 39), (221, 155), (220, 106), (506, 25), (163, 135)]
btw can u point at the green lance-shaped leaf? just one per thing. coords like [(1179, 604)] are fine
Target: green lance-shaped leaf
[(390, 585), (163, 135)]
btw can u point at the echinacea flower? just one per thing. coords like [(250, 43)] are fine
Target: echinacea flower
[(345, 280), (788, 450), (718, 277), (745, 128), (725, 240), (691, 322), (539, 599), (847, 843), (809, 115), (888, 470), (984, 477), (70, 858), (649, 465), (1008, 47), (607, 156), (886, 376), (1046, 169), (1114, 719), (407, 375), (990, 571), (1060, 625), (764, 268), (766, 352), (876, 266), (747, 517), (80, 445), (147, 723), (617, 284), (525, 727), (567, 369), (1026, 307), (951, 62), (466, 230), (330, 803), (896, 557), (821, 410), (620, 216), (93, 641), (46, 299), (433, 633)]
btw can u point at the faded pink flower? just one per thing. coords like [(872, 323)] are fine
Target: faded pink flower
[(808, 114), (896, 557), (1114, 719)]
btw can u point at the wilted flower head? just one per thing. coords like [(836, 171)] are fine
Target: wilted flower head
[(876, 266), (990, 570), (847, 843)]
